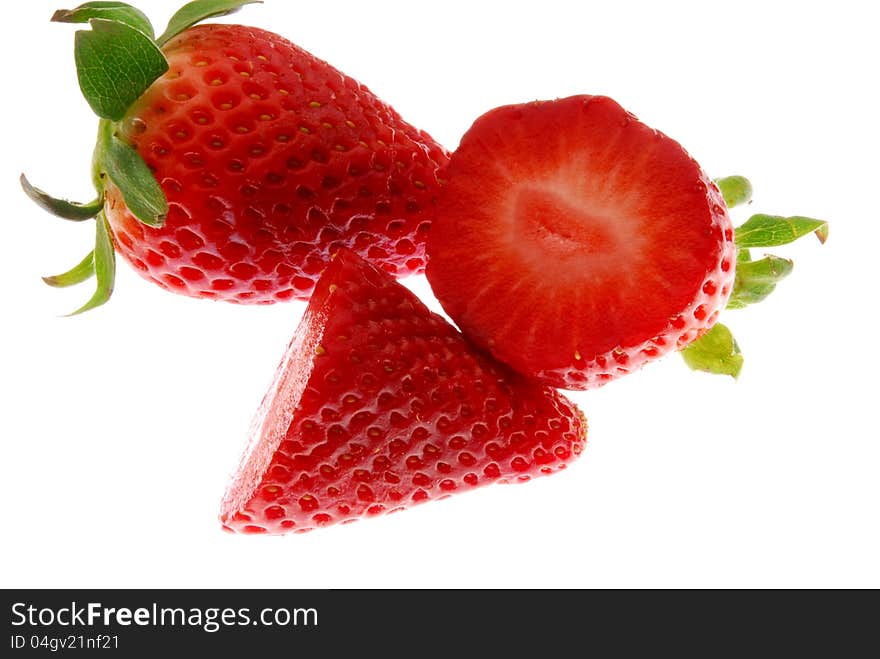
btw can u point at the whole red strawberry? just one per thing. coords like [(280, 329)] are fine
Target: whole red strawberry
[(380, 404), (576, 243), (269, 160)]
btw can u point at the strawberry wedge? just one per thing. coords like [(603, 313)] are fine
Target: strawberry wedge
[(380, 404)]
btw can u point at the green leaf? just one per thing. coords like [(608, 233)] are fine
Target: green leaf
[(115, 64), (774, 230), (198, 10), (105, 266), (736, 190), (69, 210), (76, 275), (139, 188), (715, 352), (111, 11), (755, 280)]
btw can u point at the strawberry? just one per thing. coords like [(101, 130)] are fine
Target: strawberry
[(576, 243), (380, 404), (268, 160)]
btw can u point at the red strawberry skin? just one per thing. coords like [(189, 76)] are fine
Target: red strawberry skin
[(380, 404), (271, 160), (576, 243)]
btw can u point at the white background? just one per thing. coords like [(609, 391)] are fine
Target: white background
[(120, 428)]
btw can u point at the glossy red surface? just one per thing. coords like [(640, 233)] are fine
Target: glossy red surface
[(381, 404), (271, 160)]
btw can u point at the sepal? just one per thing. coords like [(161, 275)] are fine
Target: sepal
[(196, 11), (111, 11), (104, 264), (755, 280), (69, 210), (736, 190), (76, 275), (774, 230), (115, 64), (125, 167), (715, 352)]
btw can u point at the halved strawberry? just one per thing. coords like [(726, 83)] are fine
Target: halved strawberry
[(576, 243), (380, 404)]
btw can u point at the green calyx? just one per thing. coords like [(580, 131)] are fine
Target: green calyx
[(736, 190), (117, 12), (197, 11), (137, 63), (118, 161), (717, 351), (773, 230), (755, 280), (117, 60), (69, 210)]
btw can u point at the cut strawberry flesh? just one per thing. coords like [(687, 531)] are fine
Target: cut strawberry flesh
[(275, 414), (568, 230)]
